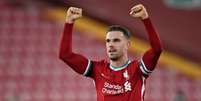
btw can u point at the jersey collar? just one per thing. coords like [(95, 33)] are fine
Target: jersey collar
[(121, 67)]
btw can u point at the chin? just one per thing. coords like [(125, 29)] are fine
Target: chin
[(114, 58)]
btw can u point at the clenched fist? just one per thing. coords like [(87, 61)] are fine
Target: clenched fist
[(139, 11), (73, 13)]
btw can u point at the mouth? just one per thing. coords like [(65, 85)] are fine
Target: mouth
[(112, 50)]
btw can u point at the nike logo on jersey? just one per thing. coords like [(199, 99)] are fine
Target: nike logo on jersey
[(103, 75)]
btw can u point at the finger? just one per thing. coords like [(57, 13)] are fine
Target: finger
[(73, 11), (77, 9), (134, 7), (132, 13), (80, 10), (135, 12), (137, 7)]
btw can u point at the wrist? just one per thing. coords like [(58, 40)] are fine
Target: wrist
[(144, 17), (70, 21)]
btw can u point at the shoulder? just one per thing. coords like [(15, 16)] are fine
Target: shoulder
[(96, 67), (100, 63), (134, 65), (135, 62)]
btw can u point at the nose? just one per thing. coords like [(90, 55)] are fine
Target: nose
[(110, 44)]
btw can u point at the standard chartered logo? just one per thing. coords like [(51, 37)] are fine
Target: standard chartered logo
[(113, 89), (127, 86)]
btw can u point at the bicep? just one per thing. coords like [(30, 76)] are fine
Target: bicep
[(78, 63), (148, 61)]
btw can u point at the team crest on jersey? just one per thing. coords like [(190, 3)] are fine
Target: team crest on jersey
[(127, 86), (125, 74)]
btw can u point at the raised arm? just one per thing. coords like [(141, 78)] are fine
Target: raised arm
[(77, 62), (151, 56)]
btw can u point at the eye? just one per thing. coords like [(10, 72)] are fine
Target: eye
[(108, 40), (116, 40)]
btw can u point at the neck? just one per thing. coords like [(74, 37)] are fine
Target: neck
[(120, 62)]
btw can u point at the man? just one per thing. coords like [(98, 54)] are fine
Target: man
[(119, 79)]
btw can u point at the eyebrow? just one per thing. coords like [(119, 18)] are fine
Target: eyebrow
[(115, 40)]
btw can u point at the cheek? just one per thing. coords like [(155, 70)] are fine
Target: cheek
[(121, 47), (107, 46), (124, 47)]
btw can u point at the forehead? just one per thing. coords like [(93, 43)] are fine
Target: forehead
[(115, 34)]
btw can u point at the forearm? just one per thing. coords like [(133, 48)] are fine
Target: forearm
[(75, 61), (66, 41), (153, 36), (152, 55)]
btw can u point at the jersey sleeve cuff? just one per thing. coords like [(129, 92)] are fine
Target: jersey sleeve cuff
[(143, 68), (88, 69)]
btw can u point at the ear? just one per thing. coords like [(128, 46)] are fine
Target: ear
[(128, 43)]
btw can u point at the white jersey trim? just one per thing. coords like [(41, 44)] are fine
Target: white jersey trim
[(87, 68), (143, 68), (143, 88), (120, 68)]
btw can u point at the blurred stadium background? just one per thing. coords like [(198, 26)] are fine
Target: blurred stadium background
[(29, 41)]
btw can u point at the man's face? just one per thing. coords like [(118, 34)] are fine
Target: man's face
[(116, 44)]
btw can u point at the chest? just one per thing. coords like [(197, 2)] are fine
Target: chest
[(110, 82), (130, 73)]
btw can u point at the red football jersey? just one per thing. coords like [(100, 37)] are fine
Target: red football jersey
[(125, 83)]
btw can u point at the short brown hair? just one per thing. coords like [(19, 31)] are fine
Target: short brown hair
[(122, 29)]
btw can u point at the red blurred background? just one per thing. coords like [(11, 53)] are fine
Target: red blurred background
[(29, 41)]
